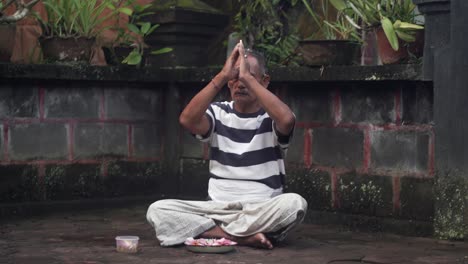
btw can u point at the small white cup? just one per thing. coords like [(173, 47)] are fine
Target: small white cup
[(127, 244)]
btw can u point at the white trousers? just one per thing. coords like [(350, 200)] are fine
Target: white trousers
[(175, 220)]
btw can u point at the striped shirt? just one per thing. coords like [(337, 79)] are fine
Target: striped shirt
[(246, 155)]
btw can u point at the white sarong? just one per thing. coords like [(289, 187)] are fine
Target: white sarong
[(176, 220)]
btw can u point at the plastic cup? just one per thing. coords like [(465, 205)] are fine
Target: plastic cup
[(127, 244)]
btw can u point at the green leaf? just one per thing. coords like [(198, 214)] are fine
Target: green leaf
[(133, 58), (144, 14), (152, 29), (338, 4), (390, 32), (133, 28), (126, 11), (364, 17), (149, 5), (406, 25), (138, 8), (397, 24), (405, 36), (145, 27), (161, 51)]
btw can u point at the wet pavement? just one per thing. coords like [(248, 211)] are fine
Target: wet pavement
[(88, 237)]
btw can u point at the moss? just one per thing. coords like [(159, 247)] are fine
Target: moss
[(133, 178), (372, 78), (313, 185), (366, 194), (451, 197), (72, 181)]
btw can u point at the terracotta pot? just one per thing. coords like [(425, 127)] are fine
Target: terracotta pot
[(7, 41), (390, 56), (329, 52), (386, 53), (67, 49)]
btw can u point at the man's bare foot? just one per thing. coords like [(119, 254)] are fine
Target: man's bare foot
[(258, 240)]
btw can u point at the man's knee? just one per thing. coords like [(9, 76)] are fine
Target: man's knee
[(157, 207), (294, 202)]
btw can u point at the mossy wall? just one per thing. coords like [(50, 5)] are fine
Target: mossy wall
[(451, 196), (361, 147)]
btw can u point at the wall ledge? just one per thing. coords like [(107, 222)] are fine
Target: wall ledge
[(399, 72)]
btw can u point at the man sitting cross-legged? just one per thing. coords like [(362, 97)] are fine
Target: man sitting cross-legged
[(248, 137)]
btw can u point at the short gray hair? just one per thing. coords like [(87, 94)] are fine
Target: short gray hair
[(260, 59)]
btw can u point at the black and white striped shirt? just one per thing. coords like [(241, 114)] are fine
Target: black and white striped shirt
[(246, 155)]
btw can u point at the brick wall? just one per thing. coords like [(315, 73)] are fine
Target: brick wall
[(363, 143), (365, 148), (79, 139), (359, 147)]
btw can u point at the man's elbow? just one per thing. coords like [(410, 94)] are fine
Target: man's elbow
[(290, 122), (287, 124), (184, 121)]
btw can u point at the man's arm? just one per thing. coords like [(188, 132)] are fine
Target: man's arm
[(276, 109), (193, 117)]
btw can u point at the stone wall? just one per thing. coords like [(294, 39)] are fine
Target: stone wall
[(363, 143), (68, 139)]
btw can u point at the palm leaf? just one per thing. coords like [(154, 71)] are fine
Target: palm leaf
[(390, 33)]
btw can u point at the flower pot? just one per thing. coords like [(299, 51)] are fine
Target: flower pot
[(389, 56), (329, 52), (386, 53), (67, 49), (189, 27), (7, 41)]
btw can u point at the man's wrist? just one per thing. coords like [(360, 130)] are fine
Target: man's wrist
[(247, 78), (216, 85), (219, 81)]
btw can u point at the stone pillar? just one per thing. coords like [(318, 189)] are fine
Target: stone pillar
[(450, 65), (437, 31), (172, 182), (189, 27)]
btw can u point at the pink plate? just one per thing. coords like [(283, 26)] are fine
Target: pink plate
[(204, 245)]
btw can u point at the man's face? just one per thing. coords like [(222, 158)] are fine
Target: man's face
[(239, 92)]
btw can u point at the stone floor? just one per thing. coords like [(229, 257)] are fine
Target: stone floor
[(88, 237)]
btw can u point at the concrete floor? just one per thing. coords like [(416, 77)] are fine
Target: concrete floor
[(88, 237)]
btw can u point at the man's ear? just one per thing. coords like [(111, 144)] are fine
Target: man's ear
[(229, 84), (266, 80)]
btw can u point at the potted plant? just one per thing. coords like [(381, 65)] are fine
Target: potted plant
[(394, 23), (8, 19), (129, 46), (269, 26), (263, 25), (71, 27), (335, 41)]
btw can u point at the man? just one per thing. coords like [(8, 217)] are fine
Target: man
[(248, 138)]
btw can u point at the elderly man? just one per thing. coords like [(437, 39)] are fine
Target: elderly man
[(249, 137)]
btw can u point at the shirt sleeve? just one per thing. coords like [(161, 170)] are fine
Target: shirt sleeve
[(210, 115), (283, 140)]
